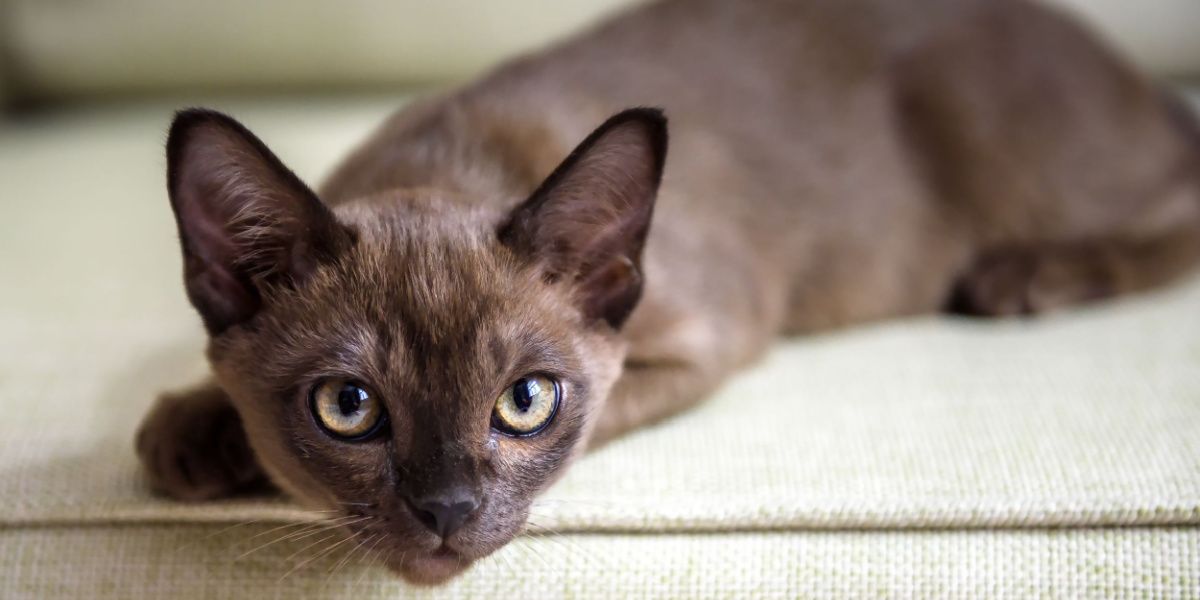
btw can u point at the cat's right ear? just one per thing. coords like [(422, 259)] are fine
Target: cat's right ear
[(246, 222)]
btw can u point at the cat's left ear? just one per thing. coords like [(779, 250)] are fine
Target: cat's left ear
[(587, 223)]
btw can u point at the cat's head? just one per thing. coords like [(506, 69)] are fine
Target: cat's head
[(420, 362)]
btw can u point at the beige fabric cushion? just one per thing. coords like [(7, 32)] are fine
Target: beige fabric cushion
[(152, 561), (89, 47), (881, 459)]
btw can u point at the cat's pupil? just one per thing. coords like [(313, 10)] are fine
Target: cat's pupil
[(350, 399), (524, 391)]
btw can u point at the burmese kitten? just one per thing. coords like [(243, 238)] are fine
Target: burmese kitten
[(469, 303)]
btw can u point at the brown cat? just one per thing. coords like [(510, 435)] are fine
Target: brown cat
[(467, 305)]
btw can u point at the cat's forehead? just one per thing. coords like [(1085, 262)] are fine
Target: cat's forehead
[(439, 283), (439, 261)]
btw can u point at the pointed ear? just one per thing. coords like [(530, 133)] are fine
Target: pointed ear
[(588, 221), (245, 221)]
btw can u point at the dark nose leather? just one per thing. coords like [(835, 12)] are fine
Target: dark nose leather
[(445, 513)]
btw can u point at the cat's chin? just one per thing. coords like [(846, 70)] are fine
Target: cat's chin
[(434, 568)]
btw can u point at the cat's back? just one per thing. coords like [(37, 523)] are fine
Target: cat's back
[(722, 63), (770, 100), (744, 81), (808, 140)]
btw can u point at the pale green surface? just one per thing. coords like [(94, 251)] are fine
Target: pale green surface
[(1080, 420)]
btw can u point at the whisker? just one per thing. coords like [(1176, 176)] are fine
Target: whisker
[(566, 543), (556, 508), (368, 557), (324, 552), (600, 503), (274, 529), (343, 518), (506, 560), (231, 528), (214, 534), (376, 552), (310, 545), (527, 547), (312, 529), (568, 553), (345, 559), (337, 521), (386, 553), (306, 530)]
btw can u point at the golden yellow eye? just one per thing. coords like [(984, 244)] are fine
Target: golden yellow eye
[(527, 406), (346, 410)]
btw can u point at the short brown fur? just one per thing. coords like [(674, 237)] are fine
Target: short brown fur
[(831, 162)]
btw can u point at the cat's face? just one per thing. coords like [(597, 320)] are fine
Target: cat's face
[(421, 363)]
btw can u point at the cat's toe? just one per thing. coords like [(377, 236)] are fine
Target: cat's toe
[(195, 449), (1032, 281), (996, 286)]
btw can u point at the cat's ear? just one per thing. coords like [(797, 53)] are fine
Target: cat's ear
[(245, 221), (588, 221)]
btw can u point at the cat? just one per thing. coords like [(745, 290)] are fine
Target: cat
[(477, 294)]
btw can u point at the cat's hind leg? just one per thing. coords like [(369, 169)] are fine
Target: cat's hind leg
[(1035, 278), (193, 447)]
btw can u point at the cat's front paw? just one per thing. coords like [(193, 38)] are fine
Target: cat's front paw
[(193, 447)]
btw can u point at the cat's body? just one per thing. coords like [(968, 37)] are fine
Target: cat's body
[(831, 162)]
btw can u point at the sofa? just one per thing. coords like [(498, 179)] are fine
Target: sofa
[(927, 457)]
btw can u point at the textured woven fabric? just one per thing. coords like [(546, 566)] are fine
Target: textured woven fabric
[(156, 561), (930, 456)]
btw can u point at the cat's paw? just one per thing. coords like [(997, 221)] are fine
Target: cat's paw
[(1031, 281), (997, 285), (193, 447)]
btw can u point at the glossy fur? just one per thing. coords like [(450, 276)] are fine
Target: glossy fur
[(831, 162)]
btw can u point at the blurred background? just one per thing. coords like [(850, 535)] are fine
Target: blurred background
[(54, 51)]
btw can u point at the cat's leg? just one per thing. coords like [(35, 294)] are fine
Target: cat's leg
[(647, 393), (193, 447), (683, 341), (1038, 278)]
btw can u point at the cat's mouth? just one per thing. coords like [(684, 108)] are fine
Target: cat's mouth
[(432, 568)]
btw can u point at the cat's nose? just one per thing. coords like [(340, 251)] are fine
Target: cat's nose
[(445, 513)]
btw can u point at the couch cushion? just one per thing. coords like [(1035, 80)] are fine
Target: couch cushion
[(184, 562), (1084, 420)]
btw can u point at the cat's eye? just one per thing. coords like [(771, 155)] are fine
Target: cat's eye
[(346, 410), (527, 406)]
